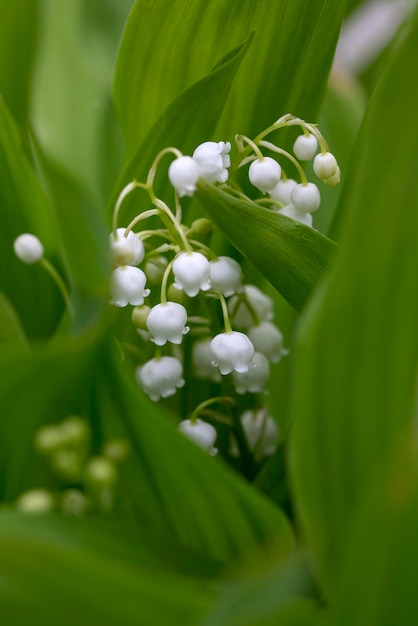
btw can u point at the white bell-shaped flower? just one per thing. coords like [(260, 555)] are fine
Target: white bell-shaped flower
[(256, 378), (191, 272), (268, 339), (225, 276), (28, 248), (160, 377), (325, 165), (167, 322), (281, 192), (291, 211), (261, 431), (213, 160), (184, 174), (126, 250), (262, 305), (334, 180), (232, 351), (306, 198), (305, 147), (202, 361), (127, 286), (264, 174), (202, 434)]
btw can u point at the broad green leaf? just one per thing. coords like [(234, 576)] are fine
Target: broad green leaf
[(52, 573), (11, 331), (293, 257), (24, 208), (188, 121), (358, 346), (285, 70), (18, 39)]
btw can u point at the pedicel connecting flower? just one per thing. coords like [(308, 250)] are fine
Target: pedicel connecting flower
[(167, 322), (160, 377), (254, 301), (231, 351)]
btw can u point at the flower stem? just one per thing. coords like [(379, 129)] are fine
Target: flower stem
[(57, 278), (227, 323)]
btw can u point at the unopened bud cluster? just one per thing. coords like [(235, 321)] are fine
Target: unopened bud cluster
[(87, 483)]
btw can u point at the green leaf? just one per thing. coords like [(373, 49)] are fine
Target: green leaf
[(11, 331), (55, 570), (18, 39), (285, 70), (293, 257), (357, 358)]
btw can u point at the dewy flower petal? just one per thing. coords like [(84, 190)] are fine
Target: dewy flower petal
[(191, 272), (28, 248), (262, 305), (256, 378), (166, 322), (226, 276), (213, 160), (268, 339), (160, 377), (184, 174), (264, 174), (127, 286), (282, 190), (232, 351), (201, 433), (126, 250)]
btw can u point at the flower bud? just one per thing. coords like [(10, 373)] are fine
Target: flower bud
[(191, 272), (334, 180), (28, 248), (202, 434), (292, 212), (127, 286), (325, 165), (213, 160), (74, 502), (203, 226), (140, 315), (160, 377), (36, 501), (75, 431), (264, 174), (167, 322), (231, 351), (100, 473), (155, 268), (282, 191), (305, 147), (306, 198), (126, 250), (48, 439), (184, 174), (225, 276), (117, 450)]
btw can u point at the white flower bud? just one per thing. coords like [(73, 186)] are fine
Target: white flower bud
[(127, 286), (264, 174), (201, 433), (261, 304), (292, 212), (268, 339), (126, 250), (184, 174), (305, 147), (36, 501), (202, 361), (255, 380), (191, 272), (306, 198), (334, 180), (213, 160), (261, 431), (282, 191), (225, 276), (231, 351), (100, 473), (325, 165), (166, 322), (160, 377), (48, 439), (74, 502), (28, 248)]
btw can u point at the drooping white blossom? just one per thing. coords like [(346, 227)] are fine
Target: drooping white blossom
[(291, 211), (127, 286), (325, 165), (126, 250), (201, 433), (268, 339), (231, 351), (225, 276), (202, 359), (305, 147), (191, 272), (256, 378), (213, 160), (28, 248), (167, 322), (264, 174), (184, 174), (262, 305), (306, 198), (160, 377), (261, 431), (281, 192)]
